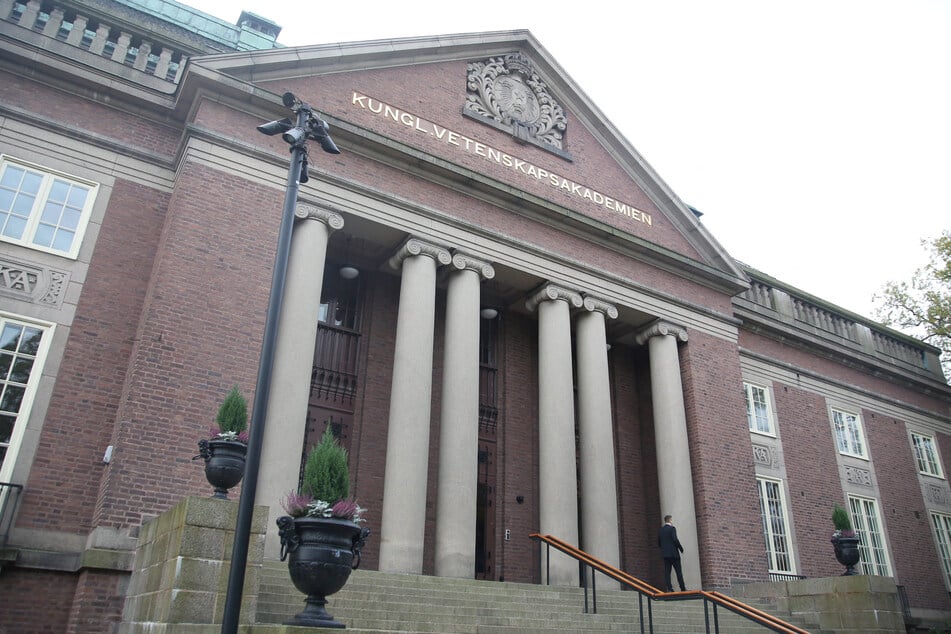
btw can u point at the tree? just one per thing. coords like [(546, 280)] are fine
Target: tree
[(922, 307)]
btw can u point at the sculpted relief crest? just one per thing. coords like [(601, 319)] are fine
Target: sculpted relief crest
[(506, 93)]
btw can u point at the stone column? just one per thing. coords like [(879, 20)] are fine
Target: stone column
[(286, 416), (674, 475), (407, 443), (599, 513), (557, 477), (459, 424)]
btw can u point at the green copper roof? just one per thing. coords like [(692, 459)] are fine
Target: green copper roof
[(251, 33)]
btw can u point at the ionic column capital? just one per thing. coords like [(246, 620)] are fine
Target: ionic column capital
[(550, 292), (465, 262), (595, 304), (415, 246), (305, 211), (661, 328)]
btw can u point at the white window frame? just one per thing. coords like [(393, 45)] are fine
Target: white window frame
[(941, 523), (26, 405), (927, 458), (49, 176), (849, 439), (770, 532), (873, 546), (751, 418)]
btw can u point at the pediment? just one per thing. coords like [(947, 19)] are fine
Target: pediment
[(496, 112)]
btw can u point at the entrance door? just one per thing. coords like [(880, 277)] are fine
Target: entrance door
[(485, 512)]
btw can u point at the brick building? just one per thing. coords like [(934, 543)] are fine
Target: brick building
[(539, 335)]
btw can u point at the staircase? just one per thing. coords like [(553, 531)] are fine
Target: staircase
[(385, 603)]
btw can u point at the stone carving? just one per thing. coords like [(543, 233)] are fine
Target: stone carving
[(332, 219), (859, 476), (32, 283), (939, 495), (507, 92), (594, 304), (462, 262), (661, 328), (415, 246), (550, 292), (762, 455)]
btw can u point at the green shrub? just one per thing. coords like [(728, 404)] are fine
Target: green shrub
[(233, 413), (326, 474), (840, 519)]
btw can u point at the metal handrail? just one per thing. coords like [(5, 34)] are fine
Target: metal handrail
[(8, 490), (650, 593)]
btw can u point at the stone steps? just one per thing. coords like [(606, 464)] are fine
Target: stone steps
[(385, 603)]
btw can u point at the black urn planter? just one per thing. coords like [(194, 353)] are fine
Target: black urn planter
[(320, 554), (224, 464), (847, 553)]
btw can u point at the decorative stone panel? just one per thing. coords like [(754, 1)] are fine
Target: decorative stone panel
[(32, 282)]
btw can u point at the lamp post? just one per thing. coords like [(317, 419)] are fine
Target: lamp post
[(296, 133)]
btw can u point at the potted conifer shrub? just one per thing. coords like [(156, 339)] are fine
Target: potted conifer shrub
[(321, 536), (225, 450), (844, 540)]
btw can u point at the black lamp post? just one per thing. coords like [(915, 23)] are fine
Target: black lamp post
[(307, 126)]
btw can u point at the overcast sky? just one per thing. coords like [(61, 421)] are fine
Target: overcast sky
[(815, 136)]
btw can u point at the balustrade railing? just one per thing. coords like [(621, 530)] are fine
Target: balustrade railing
[(93, 34), (9, 499)]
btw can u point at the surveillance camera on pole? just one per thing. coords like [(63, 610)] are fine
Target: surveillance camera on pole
[(307, 126)]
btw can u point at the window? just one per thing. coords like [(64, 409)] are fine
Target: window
[(758, 413), (43, 210), (926, 454), (868, 527), (775, 527), (848, 433), (942, 532), (20, 357)]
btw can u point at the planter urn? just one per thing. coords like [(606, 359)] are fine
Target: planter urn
[(224, 464), (847, 553), (320, 554)]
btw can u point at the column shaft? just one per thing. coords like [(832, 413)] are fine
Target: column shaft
[(674, 475), (599, 513), (459, 431), (407, 444), (557, 477), (293, 361)]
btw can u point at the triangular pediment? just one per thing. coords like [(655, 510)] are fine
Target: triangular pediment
[(495, 113)]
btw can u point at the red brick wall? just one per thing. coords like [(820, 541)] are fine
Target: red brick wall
[(200, 333), (728, 517), (97, 603), (636, 463), (517, 449), (63, 486), (76, 113), (915, 557), (35, 601), (812, 474)]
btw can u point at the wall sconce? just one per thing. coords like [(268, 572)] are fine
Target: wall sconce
[(488, 313), (346, 271), (519, 499)]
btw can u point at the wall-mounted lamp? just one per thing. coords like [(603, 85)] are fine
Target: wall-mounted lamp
[(346, 271), (488, 313), (519, 499)]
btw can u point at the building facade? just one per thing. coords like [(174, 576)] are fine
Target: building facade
[(507, 318)]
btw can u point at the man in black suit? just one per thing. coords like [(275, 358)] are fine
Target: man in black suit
[(670, 550)]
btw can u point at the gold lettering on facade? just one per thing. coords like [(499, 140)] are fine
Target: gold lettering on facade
[(489, 153)]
